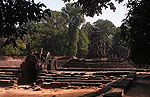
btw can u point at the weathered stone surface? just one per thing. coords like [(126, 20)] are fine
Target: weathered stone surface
[(114, 92), (37, 88), (55, 85), (29, 70)]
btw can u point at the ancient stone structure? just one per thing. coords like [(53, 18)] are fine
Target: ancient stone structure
[(29, 70), (97, 46)]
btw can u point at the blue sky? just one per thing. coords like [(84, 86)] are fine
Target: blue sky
[(115, 17)]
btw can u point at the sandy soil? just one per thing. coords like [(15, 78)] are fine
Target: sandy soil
[(11, 63), (140, 87), (6, 61), (44, 92)]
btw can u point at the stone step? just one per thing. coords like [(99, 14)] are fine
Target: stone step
[(102, 73), (55, 84), (9, 67), (48, 80), (112, 73), (8, 78), (4, 83), (42, 74), (85, 81), (114, 92), (76, 77), (9, 70), (17, 73), (84, 84), (102, 69), (5, 75), (46, 77), (65, 84)]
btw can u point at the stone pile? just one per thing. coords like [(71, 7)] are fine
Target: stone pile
[(29, 70)]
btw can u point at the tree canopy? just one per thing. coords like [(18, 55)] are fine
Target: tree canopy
[(136, 31), (92, 7), (74, 20), (135, 28), (14, 13)]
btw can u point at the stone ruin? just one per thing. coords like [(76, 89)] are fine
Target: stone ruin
[(29, 70), (32, 66), (69, 73), (97, 47)]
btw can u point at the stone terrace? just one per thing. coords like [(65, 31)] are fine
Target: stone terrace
[(74, 79), (84, 73), (9, 76)]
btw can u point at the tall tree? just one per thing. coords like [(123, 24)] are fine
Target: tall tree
[(88, 29), (136, 31), (74, 18), (107, 30), (57, 19), (97, 45), (83, 43), (118, 49)]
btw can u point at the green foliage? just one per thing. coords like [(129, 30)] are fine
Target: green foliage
[(74, 19), (57, 19), (92, 7), (47, 35), (88, 29), (14, 13), (106, 28), (118, 48), (10, 50), (136, 26), (82, 45), (136, 31)]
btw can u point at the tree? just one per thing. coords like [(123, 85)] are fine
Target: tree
[(10, 50), (136, 31), (83, 43), (88, 29), (50, 34), (57, 19), (74, 18), (47, 36), (97, 46), (118, 49), (14, 13), (107, 30), (92, 7)]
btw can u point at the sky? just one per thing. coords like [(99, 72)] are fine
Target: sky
[(115, 17)]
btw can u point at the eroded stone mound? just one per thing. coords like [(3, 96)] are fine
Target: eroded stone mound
[(29, 70)]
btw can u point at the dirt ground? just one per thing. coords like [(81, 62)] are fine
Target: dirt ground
[(4, 92), (10, 62), (140, 87)]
